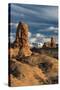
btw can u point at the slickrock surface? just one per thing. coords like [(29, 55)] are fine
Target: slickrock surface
[(33, 70)]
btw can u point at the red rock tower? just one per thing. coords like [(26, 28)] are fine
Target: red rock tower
[(52, 44), (22, 39)]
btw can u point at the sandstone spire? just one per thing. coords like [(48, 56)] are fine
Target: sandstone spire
[(52, 43), (22, 39)]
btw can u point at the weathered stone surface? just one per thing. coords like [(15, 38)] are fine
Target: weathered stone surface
[(22, 39), (40, 69)]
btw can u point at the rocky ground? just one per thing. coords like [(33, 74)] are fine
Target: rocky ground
[(37, 69), (27, 67)]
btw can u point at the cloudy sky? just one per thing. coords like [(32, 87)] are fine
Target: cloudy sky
[(42, 21)]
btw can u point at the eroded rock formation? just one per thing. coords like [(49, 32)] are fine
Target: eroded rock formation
[(36, 69), (39, 70), (52, 44), (22, 39)]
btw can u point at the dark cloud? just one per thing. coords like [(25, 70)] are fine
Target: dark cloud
[(39, 18)]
